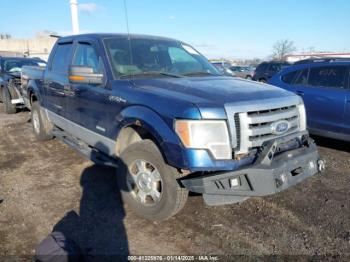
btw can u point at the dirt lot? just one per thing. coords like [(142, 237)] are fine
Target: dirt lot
[(46, 186)]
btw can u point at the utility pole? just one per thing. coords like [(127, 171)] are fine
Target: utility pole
[(75, 20)]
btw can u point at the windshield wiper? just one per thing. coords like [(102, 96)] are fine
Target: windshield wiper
[(200, 73), (151, 73)]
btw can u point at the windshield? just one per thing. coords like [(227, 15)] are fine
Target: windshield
[(15, 65), (149, 57)]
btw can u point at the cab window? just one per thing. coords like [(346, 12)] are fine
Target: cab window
[(86, 55)]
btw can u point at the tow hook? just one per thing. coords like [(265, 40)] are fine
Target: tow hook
[(321, 165)]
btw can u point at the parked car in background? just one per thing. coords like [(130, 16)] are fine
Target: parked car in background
[(324, 87), (245, 72), (10, 80), (224, 68), (169, 121), (266, 70)]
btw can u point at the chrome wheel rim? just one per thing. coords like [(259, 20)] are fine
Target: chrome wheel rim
[(144, 182), (36, 122)]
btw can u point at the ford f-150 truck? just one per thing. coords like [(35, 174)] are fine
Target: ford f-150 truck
[(164, 116)]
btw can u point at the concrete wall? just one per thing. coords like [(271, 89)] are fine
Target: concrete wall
[(35, 47)]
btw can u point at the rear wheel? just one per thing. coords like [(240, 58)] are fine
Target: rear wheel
[(248, 77), (42, 126), (262, 80), (9, 107), (148, 185)]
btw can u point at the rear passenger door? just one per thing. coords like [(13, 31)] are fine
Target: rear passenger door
[(56, 79), (324, 91)]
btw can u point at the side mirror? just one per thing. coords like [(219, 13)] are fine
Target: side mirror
[(84, 75)]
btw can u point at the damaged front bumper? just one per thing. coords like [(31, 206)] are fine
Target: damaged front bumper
[(272, 172)]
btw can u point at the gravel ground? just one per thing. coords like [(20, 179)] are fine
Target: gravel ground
[(47, 186)]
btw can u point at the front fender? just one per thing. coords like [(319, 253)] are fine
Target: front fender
[(165, 136)]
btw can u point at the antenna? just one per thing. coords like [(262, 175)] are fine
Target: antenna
[(128, 31), (126, 18)]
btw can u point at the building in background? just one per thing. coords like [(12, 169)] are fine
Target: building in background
[(40, 46), (297, 57)]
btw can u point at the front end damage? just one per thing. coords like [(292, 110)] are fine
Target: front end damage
[(279, 164)]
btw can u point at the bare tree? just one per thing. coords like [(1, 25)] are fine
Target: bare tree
[(282, 48)]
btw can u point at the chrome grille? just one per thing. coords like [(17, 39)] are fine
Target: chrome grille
[(252, 124)]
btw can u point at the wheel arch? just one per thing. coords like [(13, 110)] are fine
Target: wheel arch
[(32, 94), (140, 123)]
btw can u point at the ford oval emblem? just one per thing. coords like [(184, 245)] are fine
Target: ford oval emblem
[(280, 127)]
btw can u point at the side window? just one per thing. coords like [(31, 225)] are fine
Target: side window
[(302, 77), (288, 78), (328, 76), (275, 67), (61, 58), (261, 67), (86, 55)]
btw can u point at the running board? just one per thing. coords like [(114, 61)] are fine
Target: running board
[(89, 152)]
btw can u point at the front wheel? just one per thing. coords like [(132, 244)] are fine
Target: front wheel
[(148, 185)]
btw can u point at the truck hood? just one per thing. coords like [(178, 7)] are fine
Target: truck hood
[(210, 90)]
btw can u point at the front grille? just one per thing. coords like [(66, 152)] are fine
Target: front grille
[(252, 124), (256, 126), (238, 131)]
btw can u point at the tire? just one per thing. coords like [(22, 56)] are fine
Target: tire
[(9, 107), (152, 190), (248, 78), (263, 80), (42, 126)]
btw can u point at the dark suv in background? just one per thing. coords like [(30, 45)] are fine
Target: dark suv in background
[(266, 70)]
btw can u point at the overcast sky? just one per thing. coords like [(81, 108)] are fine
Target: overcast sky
[(217, 28)]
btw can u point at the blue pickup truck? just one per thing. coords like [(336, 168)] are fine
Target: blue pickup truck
[(156, 109)]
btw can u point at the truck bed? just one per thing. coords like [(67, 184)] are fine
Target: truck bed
[(35, 73), (32, 72)]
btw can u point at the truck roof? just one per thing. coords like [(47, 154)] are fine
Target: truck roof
[(108, 35)]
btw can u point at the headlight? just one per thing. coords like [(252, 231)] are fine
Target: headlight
[(205, 134), (302, 116)]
